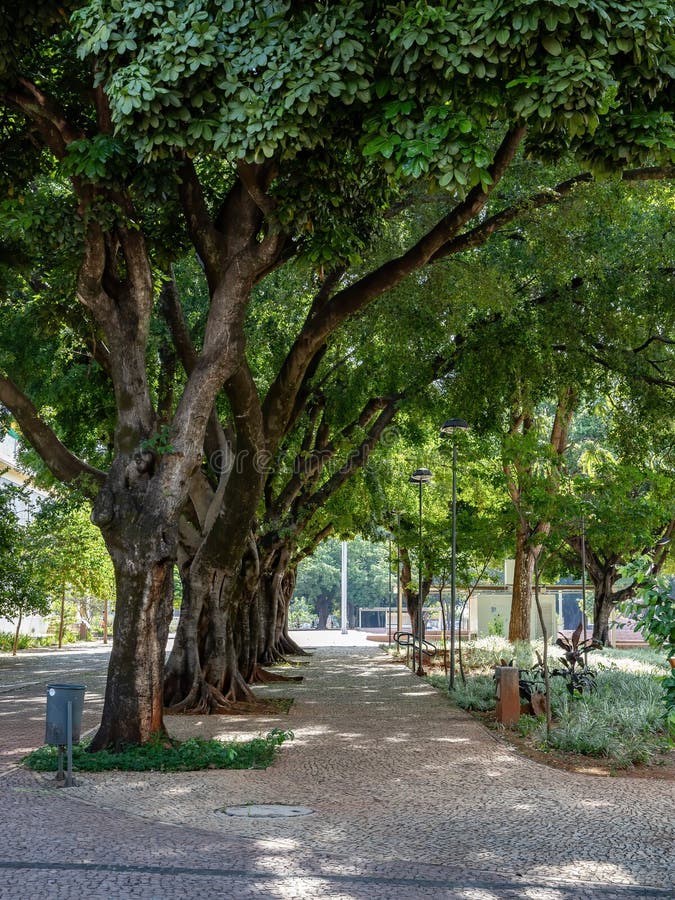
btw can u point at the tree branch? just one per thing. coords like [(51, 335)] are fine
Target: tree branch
[(354, 298), (64, 465)]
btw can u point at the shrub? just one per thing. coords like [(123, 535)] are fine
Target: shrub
[(164, 755)]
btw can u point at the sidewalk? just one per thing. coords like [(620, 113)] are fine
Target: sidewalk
[(410, 797)]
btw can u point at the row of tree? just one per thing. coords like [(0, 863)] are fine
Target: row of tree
[(52, 562), (239, 241)]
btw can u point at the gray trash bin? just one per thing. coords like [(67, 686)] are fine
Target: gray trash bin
[(58, 697)]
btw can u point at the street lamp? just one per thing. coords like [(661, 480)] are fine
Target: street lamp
[(450, 429), (420, 476), (389, 610)]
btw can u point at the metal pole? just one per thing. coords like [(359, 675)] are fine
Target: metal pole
[(583, 585), (420, 670), (343, 612), (69, 738), (453, 568), (389, 613), (399, 594)]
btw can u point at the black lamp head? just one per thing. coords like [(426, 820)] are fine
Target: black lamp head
[(421, 476), (453, 425)]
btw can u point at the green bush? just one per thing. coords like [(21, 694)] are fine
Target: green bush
[(26, 641), (164, 755)]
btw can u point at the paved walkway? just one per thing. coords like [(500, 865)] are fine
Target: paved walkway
[(411, 798)]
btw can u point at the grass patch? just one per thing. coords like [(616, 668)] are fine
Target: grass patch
[(477, 694), (165, 755)]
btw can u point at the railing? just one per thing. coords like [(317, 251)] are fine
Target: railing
[(411, 641)]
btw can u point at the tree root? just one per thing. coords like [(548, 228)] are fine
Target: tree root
[(287, 646), (262, 676)]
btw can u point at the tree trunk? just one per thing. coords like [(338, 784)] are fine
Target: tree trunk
[(84, 618), (602, 609), (133, 700), (272, 602), (62, 614), (603, 572), (215, 650), (16, 633), (521, 595), (324, 605)]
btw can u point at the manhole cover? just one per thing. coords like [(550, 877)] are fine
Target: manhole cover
[(266, 811)]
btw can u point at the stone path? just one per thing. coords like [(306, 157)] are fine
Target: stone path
[(23, 681), (411, 798)]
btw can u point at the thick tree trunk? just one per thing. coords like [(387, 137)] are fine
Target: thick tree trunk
[(271, 604), (133, 700), (324, 605), (204, 672), (285, 643)]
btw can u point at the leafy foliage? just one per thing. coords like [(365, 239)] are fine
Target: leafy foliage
[(22, 590), (654, 610), (162, 755), (654, 607)]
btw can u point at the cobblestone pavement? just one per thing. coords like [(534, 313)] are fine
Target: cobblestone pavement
[(411, 798), (23, 682)]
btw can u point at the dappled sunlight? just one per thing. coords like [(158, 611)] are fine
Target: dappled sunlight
[(419, 790), (543, 893), (477, 894), (605, 871), (626, 664)]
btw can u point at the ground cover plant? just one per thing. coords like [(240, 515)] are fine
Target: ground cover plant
[(31, 642), (623, 721), (166, 755)]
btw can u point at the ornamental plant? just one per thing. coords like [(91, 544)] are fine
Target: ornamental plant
[(653, 607)]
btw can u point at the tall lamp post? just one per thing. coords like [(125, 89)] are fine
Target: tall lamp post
[(399, 597), (450, 429), (389, 610), (420, 477)]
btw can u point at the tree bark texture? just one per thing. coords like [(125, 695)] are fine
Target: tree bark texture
[(143, 561)]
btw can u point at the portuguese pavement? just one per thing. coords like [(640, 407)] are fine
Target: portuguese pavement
[(410, 798)]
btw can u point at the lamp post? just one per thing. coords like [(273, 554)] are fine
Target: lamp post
[(389, 610), (420, 477), (399, 597), (584, 614), (450, 429)]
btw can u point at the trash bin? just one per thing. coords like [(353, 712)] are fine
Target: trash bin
[(58, 697)]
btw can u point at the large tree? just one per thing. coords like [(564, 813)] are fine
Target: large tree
[(256, 134)]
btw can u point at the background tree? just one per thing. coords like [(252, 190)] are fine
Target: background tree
[(21, 589), (72, 563)]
